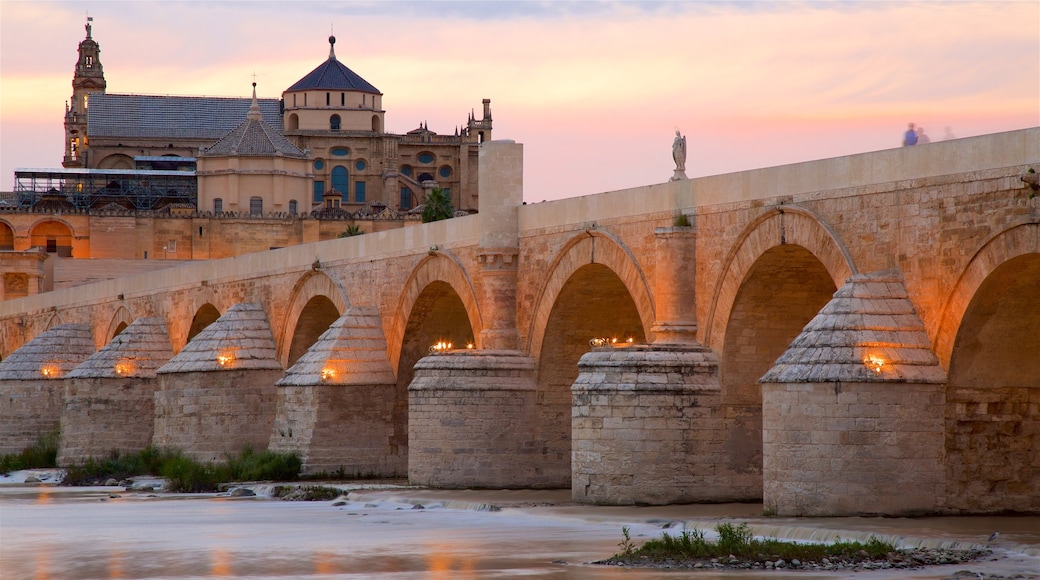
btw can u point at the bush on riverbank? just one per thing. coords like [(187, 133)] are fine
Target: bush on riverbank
[(183, 474), (41, 454), (736, 548)]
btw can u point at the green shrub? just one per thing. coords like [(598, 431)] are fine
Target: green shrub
[(737, 540), (41, 454), (183, 474)]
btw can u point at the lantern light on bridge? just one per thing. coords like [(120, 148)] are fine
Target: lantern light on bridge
[(601, 341), (440, 346), (875, 363)]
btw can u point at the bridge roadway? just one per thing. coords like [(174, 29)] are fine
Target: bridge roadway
[(949, 232)]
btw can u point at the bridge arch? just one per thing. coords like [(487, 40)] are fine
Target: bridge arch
[(591, 247), (785, 225), (988, 341), (205, 315), (441, 273), (316, 301), (594, 288), (1019, 240), (783, 268), (120, 320)]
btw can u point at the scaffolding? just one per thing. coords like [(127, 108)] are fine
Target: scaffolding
[(92, 189)]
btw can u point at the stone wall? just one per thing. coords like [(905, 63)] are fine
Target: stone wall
[(211, 414), (992, 445), (103, 415), (30, 409), (852, 449), (472, 422)]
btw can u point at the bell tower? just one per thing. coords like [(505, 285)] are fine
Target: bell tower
[(89, 78)]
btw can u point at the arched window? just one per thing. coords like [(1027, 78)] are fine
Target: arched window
[(406, 170), (341, 179), (218, 205), (406, 198), (256, 205), (292, 123), (425, 177), (375, 123), (293, 207), (334, 123)]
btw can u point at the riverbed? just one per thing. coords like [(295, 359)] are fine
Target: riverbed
[(390, 531)]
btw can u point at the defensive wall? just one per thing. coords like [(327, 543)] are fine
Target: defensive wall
[(886, 299)]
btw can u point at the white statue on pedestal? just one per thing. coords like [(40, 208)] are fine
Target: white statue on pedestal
[(679, 155)]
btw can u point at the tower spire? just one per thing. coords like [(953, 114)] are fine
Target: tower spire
[(332, 47)]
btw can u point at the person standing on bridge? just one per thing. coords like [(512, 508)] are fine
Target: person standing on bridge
[(910, 137)]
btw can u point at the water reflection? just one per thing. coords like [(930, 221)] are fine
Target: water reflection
[(59, 533)]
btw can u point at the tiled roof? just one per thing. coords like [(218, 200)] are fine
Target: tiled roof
[(254, 138), (242, 335), (138, 351), (869, 332), (333, 75), (351, 352), (56, 352), (115, 115)]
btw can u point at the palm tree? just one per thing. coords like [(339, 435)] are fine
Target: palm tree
[(352, 230), (438, 206)]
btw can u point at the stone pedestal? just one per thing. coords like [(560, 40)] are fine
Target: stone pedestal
[(109, 398), (218, 395), (472, 421), (646, 423), (852, 448), (211, 414), (336, 404), (853, 411), (32, 383)]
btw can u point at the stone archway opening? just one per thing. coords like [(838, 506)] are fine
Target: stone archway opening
[(119, 329), (593, 303), (53, 236), (784, 289), (6, 237), (206, 315), (317, 316), (994, 387)]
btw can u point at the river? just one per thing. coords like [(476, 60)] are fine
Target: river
[(52, 532)]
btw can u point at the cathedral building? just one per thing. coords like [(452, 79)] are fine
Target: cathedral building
[(149, 179), (333, 117)]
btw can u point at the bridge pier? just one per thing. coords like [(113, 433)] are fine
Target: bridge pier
[(336, 404), (109, 398), (31, 384), (853, 411), (648, 422), (472, 421), (217, 396)]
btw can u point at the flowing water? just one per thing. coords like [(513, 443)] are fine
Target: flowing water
[(49, 532)]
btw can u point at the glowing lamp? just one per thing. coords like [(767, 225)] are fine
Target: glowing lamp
[(440, 346), (469, 345), (49, 372), (122, 369), (327, 374), (224, 360), (874, 363)]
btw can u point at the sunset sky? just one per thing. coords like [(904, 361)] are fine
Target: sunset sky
[(594, 90)]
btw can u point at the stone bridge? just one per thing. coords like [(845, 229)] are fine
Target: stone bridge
[(887, 301)]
